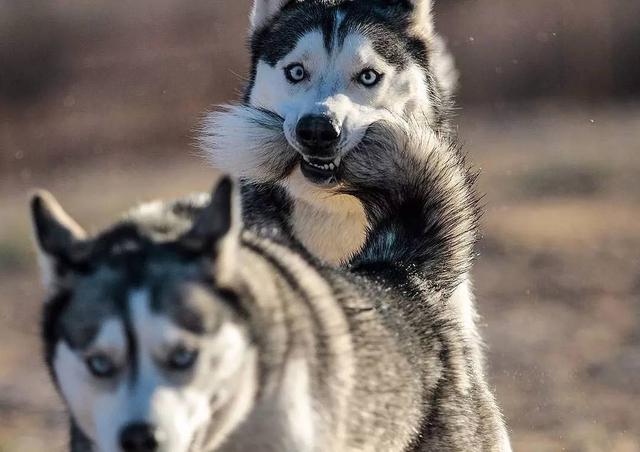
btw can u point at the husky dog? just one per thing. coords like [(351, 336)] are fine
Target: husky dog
[(327, 71), (179, 330)]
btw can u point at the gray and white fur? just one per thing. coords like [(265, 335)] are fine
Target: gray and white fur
[(178, 329), (329, 70), (322, 74)]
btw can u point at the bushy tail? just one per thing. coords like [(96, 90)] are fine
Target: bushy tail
[(246, 142), (420, 200)]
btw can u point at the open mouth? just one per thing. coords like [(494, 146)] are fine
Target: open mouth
[(320, 171)]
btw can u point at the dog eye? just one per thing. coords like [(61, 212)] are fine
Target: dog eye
[(101, 366), (182, 359), (295, 73), (369, 77)]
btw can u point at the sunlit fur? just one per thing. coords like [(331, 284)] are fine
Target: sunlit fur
[(331, 89), (334, 40), (333, 226), (295, 355), (179, 411)]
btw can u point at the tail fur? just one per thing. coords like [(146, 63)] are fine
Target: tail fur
[(420, 201), (247, 142)]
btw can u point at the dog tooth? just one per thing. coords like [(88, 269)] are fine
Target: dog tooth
[(332, 166), (306, 159)]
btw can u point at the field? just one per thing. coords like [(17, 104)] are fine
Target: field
[(558, 277)]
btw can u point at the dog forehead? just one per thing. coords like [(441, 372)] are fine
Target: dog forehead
[(94, 300), (106, 293), (190, 305), (156, 330), (111, 335), (335, 23)]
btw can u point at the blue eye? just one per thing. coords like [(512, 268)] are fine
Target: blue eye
[(101, 366), (369, 78), (295, 73), (182, 359)]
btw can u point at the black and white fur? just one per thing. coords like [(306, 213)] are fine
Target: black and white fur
[(329, 221), (334, 41), (179, 330), (334, 68)]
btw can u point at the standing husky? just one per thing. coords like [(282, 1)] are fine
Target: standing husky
[(326, 71), (176, 330)]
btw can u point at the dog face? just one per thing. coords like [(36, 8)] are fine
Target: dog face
[(149, 353), (332, 69), (148, 381)]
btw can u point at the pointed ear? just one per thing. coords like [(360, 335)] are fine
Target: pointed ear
[(422, 17), (216, 231), (263, 11), (56, 234)]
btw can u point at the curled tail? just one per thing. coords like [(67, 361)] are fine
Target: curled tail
[(420, 201)]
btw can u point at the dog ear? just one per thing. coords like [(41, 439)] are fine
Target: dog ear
[(422, 17), (216, 231), (57, 235), (419, 11), (263, 11)]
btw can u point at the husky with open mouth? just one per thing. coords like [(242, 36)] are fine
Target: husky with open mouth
[(178, 330), (330, 69)]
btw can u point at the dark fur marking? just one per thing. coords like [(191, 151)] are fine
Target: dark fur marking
[(417, 223), (297, 287), (386, 25), (386, 22), (50, 330)]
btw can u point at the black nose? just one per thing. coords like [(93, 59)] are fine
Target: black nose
[(318, 134), (139, 437)]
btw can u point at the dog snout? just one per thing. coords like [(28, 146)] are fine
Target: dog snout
[(140, 437), (319, 134)]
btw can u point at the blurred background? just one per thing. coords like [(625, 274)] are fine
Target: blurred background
[(100, 100)]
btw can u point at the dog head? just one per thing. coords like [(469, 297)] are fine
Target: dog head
[(148, 348), (330, 69)]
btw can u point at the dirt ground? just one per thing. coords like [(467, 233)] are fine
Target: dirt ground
[(558, 277)]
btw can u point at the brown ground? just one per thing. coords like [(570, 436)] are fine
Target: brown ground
[(558, 279)]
